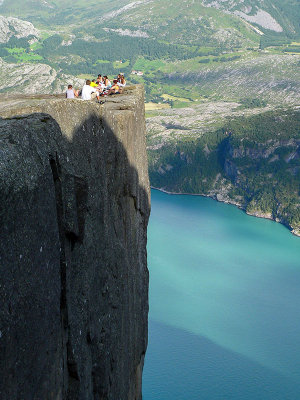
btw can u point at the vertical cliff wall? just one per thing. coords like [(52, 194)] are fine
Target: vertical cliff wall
[(75, 204)]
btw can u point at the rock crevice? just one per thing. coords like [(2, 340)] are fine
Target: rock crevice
[(75, 203)]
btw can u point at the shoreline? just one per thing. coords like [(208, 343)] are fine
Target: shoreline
[(256, 215)]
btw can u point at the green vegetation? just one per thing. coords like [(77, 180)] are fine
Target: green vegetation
[(252, 103), (23, 55), (19, 50), (190, 54), (62, 12), (147, 65), (255, 161), (292, 49), (169, 15), (273, 40)]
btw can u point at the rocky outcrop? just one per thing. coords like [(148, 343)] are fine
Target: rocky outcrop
[(10, 26), (29, 78), (74, 281)]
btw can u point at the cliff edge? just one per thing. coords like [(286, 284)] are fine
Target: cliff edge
[(75, 203)]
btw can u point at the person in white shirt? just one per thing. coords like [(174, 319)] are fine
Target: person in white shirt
[(87, 90), (107, 82), (122, 81)]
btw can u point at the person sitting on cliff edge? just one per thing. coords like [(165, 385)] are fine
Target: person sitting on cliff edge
[(115, 89), (122, 81), (94, 84), (71, 93), (89, 92)]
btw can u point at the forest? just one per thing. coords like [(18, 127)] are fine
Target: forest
[(258, 159)]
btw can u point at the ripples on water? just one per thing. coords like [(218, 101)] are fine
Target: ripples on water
[(224, 304)]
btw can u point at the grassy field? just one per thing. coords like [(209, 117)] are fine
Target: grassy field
[(149, 65), (156, 106), (174, 98), (120, 65), (102, 61), (85, 76), (36, 46), (21, 55)]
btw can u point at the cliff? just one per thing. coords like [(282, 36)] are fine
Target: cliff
[(256, 166), (75, 203)]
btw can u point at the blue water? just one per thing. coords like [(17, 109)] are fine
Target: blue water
[(224, 304)]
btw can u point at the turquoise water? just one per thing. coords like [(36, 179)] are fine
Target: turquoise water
[(224, 304)]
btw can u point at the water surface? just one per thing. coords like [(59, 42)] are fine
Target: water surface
[(224, 304)]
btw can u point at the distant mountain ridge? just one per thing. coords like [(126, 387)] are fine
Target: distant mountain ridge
[(158, 37), (279, 16), (275, 15), (182, 22)]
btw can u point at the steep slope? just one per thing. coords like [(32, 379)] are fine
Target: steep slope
[(75, 203), (281, 16), (227, 21), (184, 22), (14, 27), (174, 21), (273, 78), (250, 158), (58, 12)]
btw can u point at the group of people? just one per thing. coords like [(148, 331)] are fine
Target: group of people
[(96, 88)]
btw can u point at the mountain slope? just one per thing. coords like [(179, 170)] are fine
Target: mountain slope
[(202, 52), (14, 27), (33, 78), (273, 15), (58, 12), (172, 21), (250, 159), (183, 22), (279, 16)]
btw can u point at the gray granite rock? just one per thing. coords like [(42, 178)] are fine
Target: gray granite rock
[(75, 203)]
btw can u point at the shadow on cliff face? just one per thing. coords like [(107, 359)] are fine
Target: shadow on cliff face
[(74, 281)]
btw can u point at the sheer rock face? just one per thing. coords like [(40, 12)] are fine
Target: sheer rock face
[(75, 203)]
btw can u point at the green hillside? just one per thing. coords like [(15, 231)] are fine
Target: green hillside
[(185, 23), (286, 13), (171, 21), (187, 52), (53, 13), (226, 21), (166, 15), (209, 67), (252, 161)]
